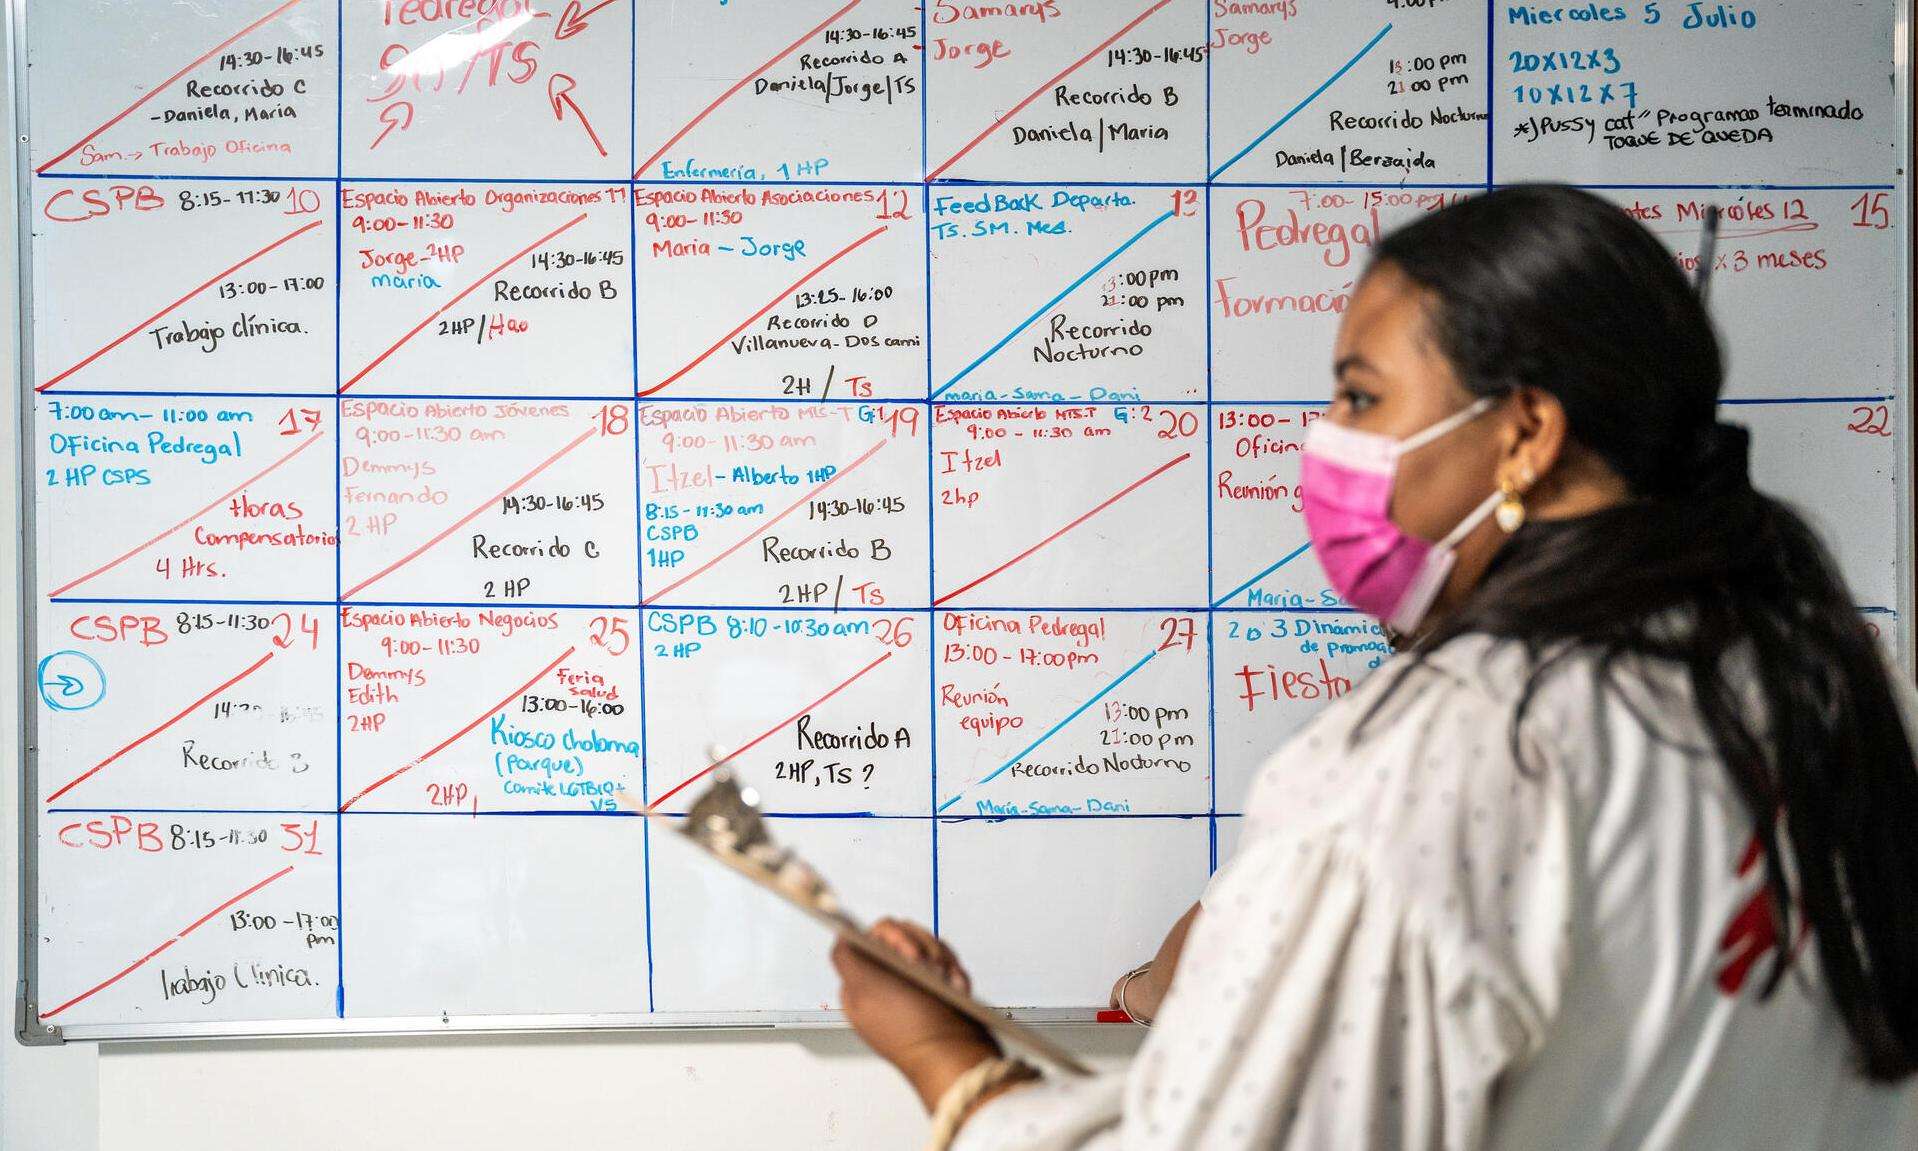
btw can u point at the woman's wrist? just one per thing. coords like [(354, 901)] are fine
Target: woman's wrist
[(933, 1067), (1138, 994)]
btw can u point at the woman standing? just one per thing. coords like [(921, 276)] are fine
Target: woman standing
[(1621, 851)]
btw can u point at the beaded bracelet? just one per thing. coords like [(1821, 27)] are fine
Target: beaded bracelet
[(965, 1091)]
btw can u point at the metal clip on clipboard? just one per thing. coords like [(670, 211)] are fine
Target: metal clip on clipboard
[(725, 823)]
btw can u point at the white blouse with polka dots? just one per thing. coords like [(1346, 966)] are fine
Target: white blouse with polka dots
[(1442, 931)]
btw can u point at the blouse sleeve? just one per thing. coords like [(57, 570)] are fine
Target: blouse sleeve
[(1355, 988)]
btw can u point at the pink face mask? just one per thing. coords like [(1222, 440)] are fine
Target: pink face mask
[(1346, 481)]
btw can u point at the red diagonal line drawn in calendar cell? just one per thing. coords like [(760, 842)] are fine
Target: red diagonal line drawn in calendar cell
[(743, 81), (235, 490), (469, 517), (210, 282), (761, 530), (130, 968), (529, 249), (450, 740), (163, 85), (189, 709), (1122, 493), (1044, 88), (749, 321), (763, 736)]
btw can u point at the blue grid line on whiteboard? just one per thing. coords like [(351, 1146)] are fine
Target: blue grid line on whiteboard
[(932, 537), (1211, 531), (339, 583), (1354, 185), (538, 813), (936, 403), (639, 509)]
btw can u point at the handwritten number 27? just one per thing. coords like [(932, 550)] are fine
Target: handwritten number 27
[(1180, 631)]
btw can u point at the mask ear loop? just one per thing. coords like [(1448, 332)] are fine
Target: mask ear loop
[(1425, 587), (1470, 523), (1447, 425)]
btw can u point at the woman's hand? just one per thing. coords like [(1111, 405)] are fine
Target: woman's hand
[(930, 1043)]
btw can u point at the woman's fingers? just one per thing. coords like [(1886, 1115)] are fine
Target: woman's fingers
[(922, 946), (893, 934), (938, 954)]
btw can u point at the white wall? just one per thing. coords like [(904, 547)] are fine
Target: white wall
[(714, 1091)]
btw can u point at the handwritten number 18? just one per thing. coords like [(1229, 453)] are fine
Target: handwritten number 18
[(614, 419)]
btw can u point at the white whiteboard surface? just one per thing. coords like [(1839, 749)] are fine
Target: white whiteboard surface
[(443, 418)]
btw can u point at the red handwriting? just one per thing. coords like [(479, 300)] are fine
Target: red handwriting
[(223, 498), (443, 744), (181, 934), (155, 317), (770, 305), (1135, 485), (469, 290), (768, 733), (171, 80), (189, 709), (743, 81), (1044, 88)]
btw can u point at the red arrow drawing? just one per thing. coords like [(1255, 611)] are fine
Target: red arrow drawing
[(572, 21), (559, 92)]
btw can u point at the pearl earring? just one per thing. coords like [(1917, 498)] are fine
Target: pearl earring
[(1510, 513)]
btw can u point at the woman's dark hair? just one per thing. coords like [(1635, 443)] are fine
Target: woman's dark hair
[(1555, 289)]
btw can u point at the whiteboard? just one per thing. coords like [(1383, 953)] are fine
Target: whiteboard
[(443, 419)]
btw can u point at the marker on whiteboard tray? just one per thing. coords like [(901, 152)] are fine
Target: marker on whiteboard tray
[(1707, 246)]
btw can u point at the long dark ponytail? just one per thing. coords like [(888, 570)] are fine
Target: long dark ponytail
[(1555, 289)]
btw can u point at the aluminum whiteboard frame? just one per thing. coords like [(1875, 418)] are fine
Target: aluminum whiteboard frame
[(27, 1026)]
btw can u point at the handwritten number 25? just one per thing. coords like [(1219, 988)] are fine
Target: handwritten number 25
[(610, 633)]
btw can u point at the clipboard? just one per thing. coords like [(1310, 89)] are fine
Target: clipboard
[(724, 822)]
